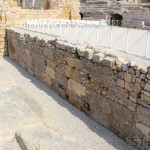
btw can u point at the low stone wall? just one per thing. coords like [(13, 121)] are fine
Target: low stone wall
[(112, 91)]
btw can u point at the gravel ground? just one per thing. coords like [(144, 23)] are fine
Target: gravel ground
[(20, 91)]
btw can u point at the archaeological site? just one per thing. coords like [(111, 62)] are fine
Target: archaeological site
[(75, 74)]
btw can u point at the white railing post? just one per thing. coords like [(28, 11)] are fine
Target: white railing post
[(147, 42), (110, 44), (76, 29), (97, 36), (127, 40), (60, 29)]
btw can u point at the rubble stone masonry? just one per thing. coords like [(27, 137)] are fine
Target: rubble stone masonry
[(110, 90)]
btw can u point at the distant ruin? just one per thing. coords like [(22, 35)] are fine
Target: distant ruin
[(132, 13)]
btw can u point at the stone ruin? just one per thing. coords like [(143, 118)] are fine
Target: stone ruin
[(133, 13)]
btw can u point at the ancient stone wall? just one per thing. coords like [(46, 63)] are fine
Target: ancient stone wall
[(108, 88)]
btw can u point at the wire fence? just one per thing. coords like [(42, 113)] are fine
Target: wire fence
[(103, 33)]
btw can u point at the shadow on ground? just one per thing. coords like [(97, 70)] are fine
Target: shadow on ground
[(95, 127)]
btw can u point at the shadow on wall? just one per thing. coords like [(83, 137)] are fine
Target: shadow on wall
[(96, 128)]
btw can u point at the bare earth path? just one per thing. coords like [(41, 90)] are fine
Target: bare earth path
[(33, 117)]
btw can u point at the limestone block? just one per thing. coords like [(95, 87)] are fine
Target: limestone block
[(121, 75), (143, 115), (98, 57), (145, 99), (120, 83), (142, 76), (81, 52), (50, 72), (129, 86), (71, 62), (89, 53), (138, 80), (109, 62), (128, 77), (144, 129), (131, 71), (137, 73), (76, 63), (146, 93), (147, 87), (143, 70), (48, 53), (76, 87), (133, 99), (142, 84), (133, 78), (133, 94), (137, 88), (148, 76), (68, 71)]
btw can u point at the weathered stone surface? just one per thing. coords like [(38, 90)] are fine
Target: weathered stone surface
[(81, 51), (88, 53), (50, 72), (109, 62), (40, 138), (145, 99), (98, 57), (137, 88), (143, 116), (128, 77), (76, 87), (145, 130), (121, 83), (129, 86), (147, 87), (142, 76), (48, 52)]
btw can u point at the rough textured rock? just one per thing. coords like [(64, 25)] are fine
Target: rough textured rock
[(109, 91)]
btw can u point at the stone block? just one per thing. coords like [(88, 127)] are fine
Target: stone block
[(137, 73), (137, 88), (48, 53), (70, 62), (98, 57), (131, 71), (142, 76), (133, 99), (144, 129), (143, 115), (129, 86), (109, 62), (76, 63), (121, 75), (68, 71), (128, 77), (50, 72), (146, 93), (81, 52), (88, 53), (133, 78), (120, 83), (145, 99), (76, 87), (147, 87), (138, 80)]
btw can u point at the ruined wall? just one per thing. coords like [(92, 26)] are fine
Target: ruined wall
[(112, 91)]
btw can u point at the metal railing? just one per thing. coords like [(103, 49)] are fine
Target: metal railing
[(103, 33)]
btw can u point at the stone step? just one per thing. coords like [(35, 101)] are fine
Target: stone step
[(43, 139)]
